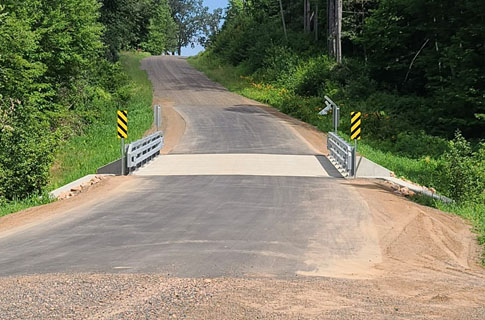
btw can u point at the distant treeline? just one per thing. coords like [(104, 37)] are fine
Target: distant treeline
[(58, 71), (157, 26)]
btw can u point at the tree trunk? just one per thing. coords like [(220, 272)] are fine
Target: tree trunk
[(179, 50), (331, 27), (308, 12), (338, 41), (315, 22), (335, 29), (304, 15), (283, 20)]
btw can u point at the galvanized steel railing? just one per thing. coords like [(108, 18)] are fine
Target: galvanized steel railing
[(342, 154), (143, 150)]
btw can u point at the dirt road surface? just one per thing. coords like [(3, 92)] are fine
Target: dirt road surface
[(202, 243)]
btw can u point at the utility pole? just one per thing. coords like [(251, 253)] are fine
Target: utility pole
[(335, 29), (283, 20)]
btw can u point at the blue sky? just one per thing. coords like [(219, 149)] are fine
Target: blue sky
[(212, 4)]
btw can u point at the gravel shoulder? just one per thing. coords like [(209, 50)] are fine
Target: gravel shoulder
[(147, 296)]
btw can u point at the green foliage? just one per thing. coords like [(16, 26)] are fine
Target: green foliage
[(420, 62), (162, 31), (20, 72), (7, 207), (26, 153), (69, 38), (46, 48), (279, 64), (134, 24), (314, 77), (463, 171), (54, 85), (195, 23), (433, 49), (99, 145), (126, 23)]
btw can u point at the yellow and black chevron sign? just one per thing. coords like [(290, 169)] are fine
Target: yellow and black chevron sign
[(355, 123), (122, 124)]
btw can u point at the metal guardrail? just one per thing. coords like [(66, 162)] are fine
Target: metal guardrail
[(342, 153), (142, 151)]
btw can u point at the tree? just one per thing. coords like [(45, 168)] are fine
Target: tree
[(432, 49), (335, 29), (195, 23), (25, 136), (162, 31), (126, 23), (69, 39), (50, 54), (21, 71)]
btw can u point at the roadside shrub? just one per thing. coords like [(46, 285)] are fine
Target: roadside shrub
[(390, 114), (26, 154), (463, 171), (418, 144), (303, 108), (279, 64), (313, 77)]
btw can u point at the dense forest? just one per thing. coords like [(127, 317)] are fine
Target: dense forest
[(60, 75), (416, 69), (428, 56)]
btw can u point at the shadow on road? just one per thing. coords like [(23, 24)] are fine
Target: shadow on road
[(328, 166)]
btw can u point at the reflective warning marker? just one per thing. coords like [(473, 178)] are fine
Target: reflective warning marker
[(122, 124), (355, 125)]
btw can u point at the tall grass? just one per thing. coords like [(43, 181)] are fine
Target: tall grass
[(18, 205)]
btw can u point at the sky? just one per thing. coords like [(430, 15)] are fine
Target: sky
[(212, 4)]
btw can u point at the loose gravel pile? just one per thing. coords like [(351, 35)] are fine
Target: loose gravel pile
[(135, 296)]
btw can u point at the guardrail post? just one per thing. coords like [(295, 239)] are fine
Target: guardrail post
[(336, 118), (157, 116), (354, 160), (123, 158)]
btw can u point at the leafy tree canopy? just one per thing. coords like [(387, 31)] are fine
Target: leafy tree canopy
[(196, 24), (162, 31)]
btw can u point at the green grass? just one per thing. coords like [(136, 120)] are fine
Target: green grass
[(98, 145), (15, 206), (421, 170)]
